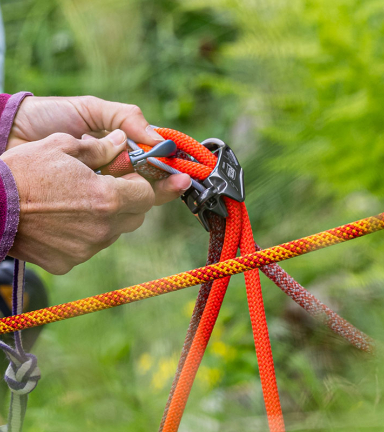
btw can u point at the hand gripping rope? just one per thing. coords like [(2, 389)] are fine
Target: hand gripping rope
[(216, 199)]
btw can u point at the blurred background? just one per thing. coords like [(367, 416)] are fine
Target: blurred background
[(297, 89)]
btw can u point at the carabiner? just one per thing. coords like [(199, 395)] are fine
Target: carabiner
[(226, 179)]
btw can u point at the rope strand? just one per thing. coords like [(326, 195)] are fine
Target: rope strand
[(194, 277)]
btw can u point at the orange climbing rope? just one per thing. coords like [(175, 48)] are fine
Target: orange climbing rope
[(238, 234)]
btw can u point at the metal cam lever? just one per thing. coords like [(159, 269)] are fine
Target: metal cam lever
[(164, 149), (126, 162)]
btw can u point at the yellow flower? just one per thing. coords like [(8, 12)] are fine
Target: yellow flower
[(188, 308), (166, 369), (145, 363), (209, 376), (220, 349)]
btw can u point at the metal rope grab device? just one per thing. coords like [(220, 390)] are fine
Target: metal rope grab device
[(216, 197), (226, 179)]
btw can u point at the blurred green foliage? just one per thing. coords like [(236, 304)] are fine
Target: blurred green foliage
[(296, 88)]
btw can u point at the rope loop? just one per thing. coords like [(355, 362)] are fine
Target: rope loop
[(22, 377)]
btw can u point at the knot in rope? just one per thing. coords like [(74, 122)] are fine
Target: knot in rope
[(22, 373)]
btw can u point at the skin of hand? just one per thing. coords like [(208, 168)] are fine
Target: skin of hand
[(67, 212), (39, 117)]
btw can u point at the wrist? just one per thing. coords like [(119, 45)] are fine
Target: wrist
[(8, 116), (9, 209)]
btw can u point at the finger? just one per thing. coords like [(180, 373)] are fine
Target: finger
[(96, 153), (13, 141), (104, 115), (98, 134), (171, 188), (127, 223), (109, 242), (133, 193), (86, 136)]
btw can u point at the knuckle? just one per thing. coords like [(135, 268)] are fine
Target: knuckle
[(88, 100), (84, 254), (113, 203), (96, 148), (59, 137), (106, 201), (135, 110), (103, 233), (140, 220), (136, 222), (106, 208), (58, 269), (147, 197), (109, 242), (81, 253), (62, 140)]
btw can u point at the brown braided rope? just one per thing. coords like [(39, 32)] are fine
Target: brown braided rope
[(317, 309), (216, 241)]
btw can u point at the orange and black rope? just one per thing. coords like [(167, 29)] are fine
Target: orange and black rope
[(194, 277)]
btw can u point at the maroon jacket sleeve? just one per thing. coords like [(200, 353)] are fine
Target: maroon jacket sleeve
[(9, 197)]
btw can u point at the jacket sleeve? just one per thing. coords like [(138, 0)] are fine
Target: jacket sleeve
[(9, 197)]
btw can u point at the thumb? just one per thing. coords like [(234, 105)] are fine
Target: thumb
[(96, 153)]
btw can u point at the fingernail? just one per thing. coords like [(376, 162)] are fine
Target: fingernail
[(86, 136), (153, 134), (117, 137), (181, 191)]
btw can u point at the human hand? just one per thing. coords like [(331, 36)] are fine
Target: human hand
[(38, 117), (67, 212)]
